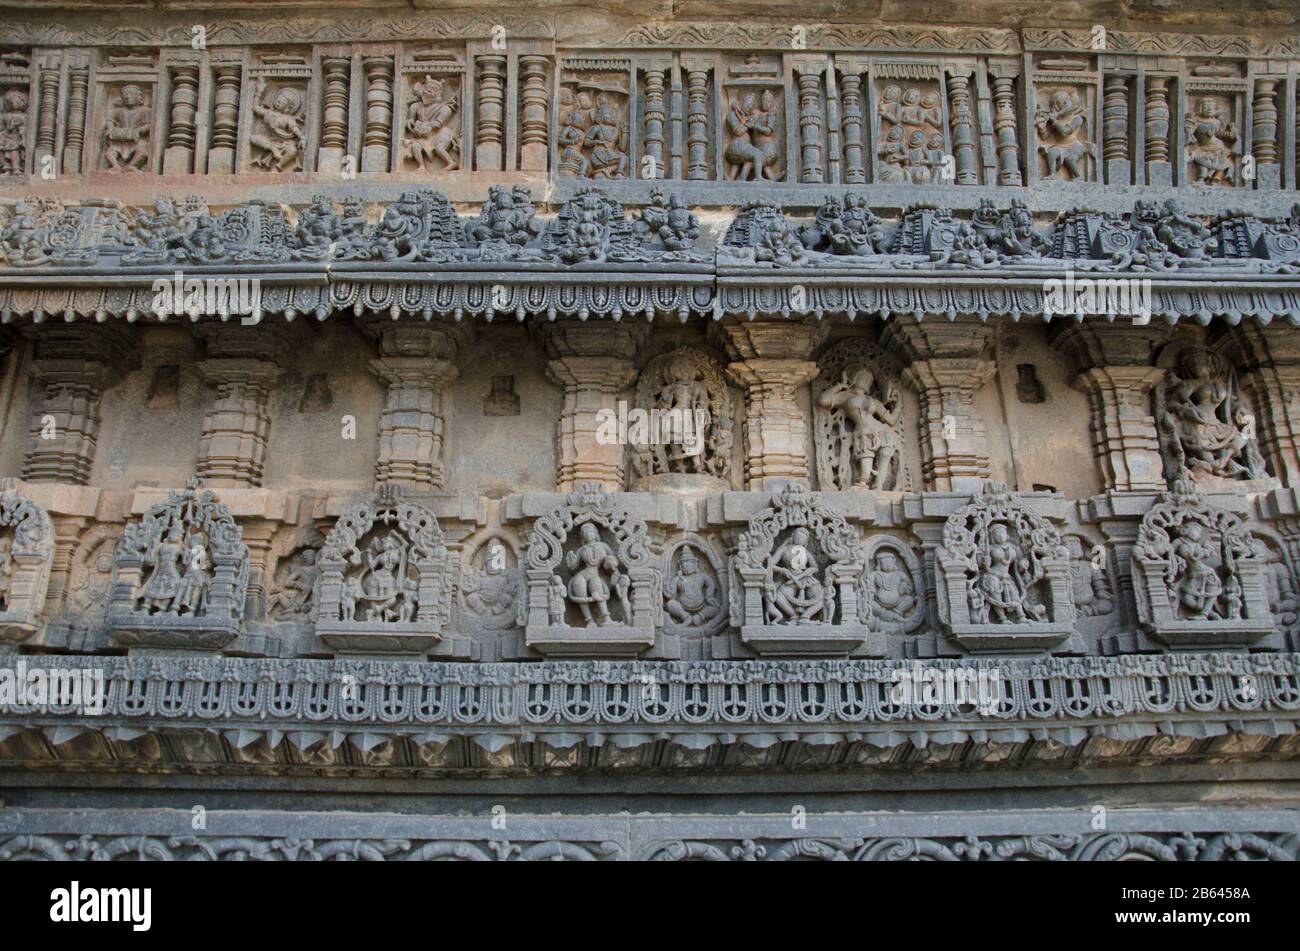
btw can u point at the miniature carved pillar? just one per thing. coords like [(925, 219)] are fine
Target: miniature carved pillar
[(697, 137), (594, 365), (334, 114), (1114, 131), (1004, 126), (488, 152), (1159, 169), (73, 365), (243, 364), (533, 136), (655, 115), (1267, 359), (963, 130), (1112, 365), (855, 171), (1268, 173), (72, 146), (810, 121), (67, 536), (946, 364), (771, 360), (225, 120), (417, 363), (47, 127), (377, 143), (178, 159)]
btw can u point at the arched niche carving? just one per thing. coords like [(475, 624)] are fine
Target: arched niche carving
[(892, 592), (180, 576), (695, 590), (688, 426), (1092, 581), (296, 582), (386, 578), (858, 419), (799, 566), (26, 552), (491, 588), (593, 585), (1200, 576), (1004, 578)]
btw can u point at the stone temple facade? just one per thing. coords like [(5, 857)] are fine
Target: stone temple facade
[(650, 431)]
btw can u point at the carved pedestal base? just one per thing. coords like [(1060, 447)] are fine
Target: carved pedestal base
[(19, 626), (1018, 638), (815, 640), (173, 633), (379, 637), (613, 640), (1199, 635)]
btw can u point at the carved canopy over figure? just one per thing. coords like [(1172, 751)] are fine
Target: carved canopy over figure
[(280, 139), (1205, 428), (127, 131), (685, 393), (433, 131), (858, 418)]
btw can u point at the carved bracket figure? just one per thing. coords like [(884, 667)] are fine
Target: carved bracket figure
[(592, 580), (26, 552), (180, 576), (1200, 576), (799, 566), (386, 580), (1004, 580)]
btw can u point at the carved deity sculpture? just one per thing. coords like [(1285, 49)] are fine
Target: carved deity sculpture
[(691, 594), (596, 577), (279, 138), (26, 555), (1199, 575), (432, 127), (127, 131), (491, 590), (181, 575), (667, 218), (1205, 428), (858, 419), (753, 149), (686, 400), (911, 147), (1093, 594), (593, 131), (1211, 143), (1062, 125), (13, 132), (850, 228), (297, 587), (891, 596), (1009, 232), (506, 218)]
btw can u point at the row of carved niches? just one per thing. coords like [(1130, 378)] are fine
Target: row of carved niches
[(592, 228), (435, 109)]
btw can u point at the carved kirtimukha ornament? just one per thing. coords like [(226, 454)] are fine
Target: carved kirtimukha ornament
[(26, 551), (591, 579), (1200, 576), (858, 412), (386, 579), (180, 576), (799, 566), (1004, 580)]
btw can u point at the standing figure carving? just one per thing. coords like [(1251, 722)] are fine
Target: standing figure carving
[(13, 132), (685, 395), (1062, 126), (1211, 143), (858, 411), (433, 131), (753, 147), (278, 139)]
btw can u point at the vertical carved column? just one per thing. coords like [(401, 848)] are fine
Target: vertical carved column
[(74, 364), (47, 128), (697, 135), (1112, 365), (417, 363), (178, 159), (810, 122), (855, 171), (491, 112), (963, 130), (67, 535), (772, 361), (1267, 359), (533, 136), (1159, 169), (225, 120), (242, 366), (1004, 127), (1268, 173), (594, 365), (377, 142), (655, 115), (946, 363), (334, 113), (1114, 126), (73, 144)]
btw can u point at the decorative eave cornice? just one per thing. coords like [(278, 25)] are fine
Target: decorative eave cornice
[(645, 714)]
